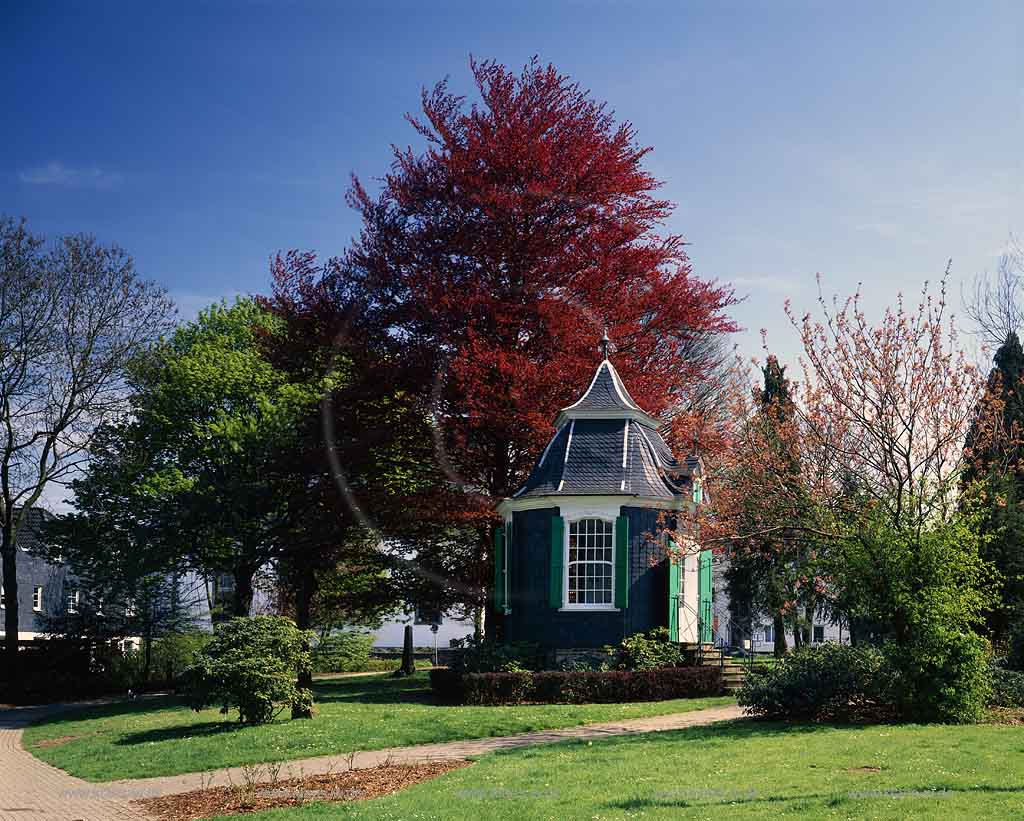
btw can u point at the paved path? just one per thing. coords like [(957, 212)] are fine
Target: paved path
[(33, 791), (448, 750)]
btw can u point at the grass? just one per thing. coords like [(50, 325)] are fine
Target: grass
[(741, 770), (163, 737)]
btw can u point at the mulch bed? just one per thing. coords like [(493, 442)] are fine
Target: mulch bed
[(353, 785)]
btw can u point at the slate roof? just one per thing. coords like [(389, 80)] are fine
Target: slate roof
[(605, 444), (606, 395), (28, 536)]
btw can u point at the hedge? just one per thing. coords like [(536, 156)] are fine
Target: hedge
[(556, 687), (347, 652)]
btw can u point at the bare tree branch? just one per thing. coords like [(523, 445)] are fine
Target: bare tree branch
[(71, 318)]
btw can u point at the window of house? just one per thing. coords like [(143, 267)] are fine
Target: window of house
[(37, 598), (768, 635), (590, 566), (3, 597), (819, 633), (698, 492), (226, 583), (72, 602)]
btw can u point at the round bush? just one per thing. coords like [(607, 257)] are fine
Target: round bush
[(251, 665), (831, 682)]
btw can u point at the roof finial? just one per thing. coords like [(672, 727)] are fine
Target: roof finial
[(605, 344)]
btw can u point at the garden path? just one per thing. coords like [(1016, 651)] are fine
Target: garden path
[(33, 791)]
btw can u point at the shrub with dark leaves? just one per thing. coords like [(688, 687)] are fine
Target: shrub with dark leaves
[(558, 687), (487, 656), (831, 682), (1007, 687)]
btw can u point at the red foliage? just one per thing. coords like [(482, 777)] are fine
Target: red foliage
[(501, 253)]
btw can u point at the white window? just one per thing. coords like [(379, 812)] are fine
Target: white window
[(72, 600), (37, 598), (819, 633), (590, 566), (768, 633), (3, 597), (698, 492)]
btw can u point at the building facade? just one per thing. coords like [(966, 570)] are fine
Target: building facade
[(45, 590), (584, 557)]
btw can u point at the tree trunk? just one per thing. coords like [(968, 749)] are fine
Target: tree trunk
[(798, 634), (304, 589), (478, 623), (148, 656), (241, 604), (809, 613), (779, 634), (10, 583)]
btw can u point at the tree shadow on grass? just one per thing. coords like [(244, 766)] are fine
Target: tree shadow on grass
[(373, 691), (114, 709), (202, 729), (732, 796), (722, 732)]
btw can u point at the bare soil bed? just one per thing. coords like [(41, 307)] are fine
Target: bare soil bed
[(353, 785)]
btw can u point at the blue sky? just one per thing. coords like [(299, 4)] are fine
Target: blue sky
[(866, 141)]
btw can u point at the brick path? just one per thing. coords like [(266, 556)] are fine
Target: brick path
[(33, 791)]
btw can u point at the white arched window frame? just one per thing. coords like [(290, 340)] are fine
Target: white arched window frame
[(589, 579)]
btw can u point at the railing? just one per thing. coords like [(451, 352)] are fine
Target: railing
[(724, 644)]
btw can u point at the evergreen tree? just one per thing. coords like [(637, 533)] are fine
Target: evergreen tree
[(995, 472), (765, 572)]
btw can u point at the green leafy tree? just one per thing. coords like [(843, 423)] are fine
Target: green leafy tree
[(925, 592), (194, 478), (379, 527)]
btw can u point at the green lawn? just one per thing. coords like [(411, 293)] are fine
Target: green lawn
[(162, 737), (744, 770)]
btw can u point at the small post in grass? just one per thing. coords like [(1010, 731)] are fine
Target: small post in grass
[(408, 663)]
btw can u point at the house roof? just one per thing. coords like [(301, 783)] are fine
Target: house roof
[(29, 535), (605, 398), (605, 444)]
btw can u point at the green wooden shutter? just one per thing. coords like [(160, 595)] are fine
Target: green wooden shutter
[(704, 582), (557, 561), (674, 576), (499, 568), (508, 567), (622, 562)]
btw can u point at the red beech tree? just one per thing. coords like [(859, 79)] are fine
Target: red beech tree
[(501, 252)]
